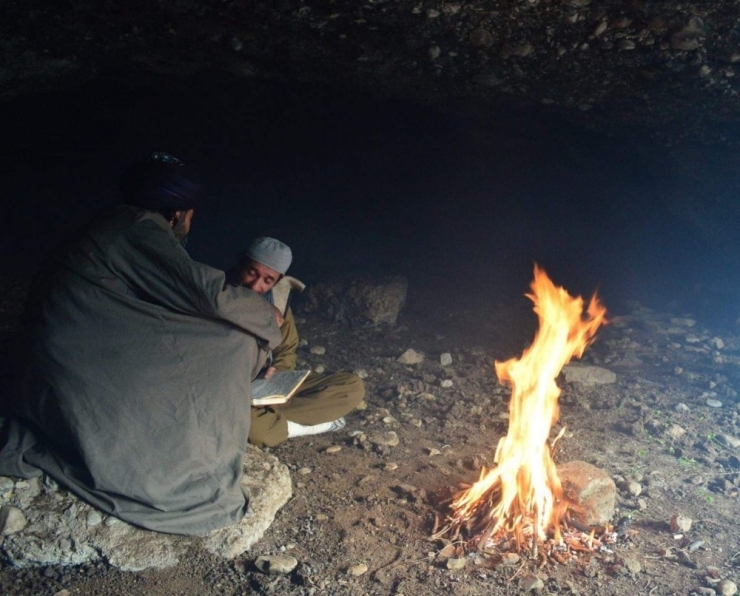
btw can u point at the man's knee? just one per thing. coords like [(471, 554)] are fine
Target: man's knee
[(355, 390)]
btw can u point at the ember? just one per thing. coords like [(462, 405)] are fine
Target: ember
[(521, 498)]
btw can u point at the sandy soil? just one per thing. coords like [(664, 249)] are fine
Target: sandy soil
[(376, 507)]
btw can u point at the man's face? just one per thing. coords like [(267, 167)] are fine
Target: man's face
[(181, 227), (258, 277)]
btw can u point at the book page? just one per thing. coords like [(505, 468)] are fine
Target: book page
[(279, 388)]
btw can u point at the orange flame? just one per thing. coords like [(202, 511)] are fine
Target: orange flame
[(530, 492)]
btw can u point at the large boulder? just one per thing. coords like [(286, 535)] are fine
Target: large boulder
[(359, 300), (60, 529)]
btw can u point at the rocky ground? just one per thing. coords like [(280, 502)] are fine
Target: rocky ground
[(362, 512)]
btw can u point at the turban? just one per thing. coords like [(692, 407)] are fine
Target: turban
[(162, 183)]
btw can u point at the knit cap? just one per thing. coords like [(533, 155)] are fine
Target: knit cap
[(272, 253)]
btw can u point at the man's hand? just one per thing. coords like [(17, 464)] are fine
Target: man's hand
[(279, 316), (270, 372)]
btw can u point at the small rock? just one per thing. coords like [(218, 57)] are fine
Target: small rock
[(319, 369), (432, 451), (322, 517), (714, 403), (634, 488), (276, 565), (510, 559), (680, 523), (357, 570), (63, 592), (455, 564), (6, 485), (304, 471), (591, 489), (729, 440), (12, 520), (446, 383), (388, 439), (588, 375), (727, 587), (318, 350), (410, 357), (682, 407), (302, 342), (481, 38), (94, 518), (445, 359), (361, 372), (718, 343), (531, 583), (390, 466), (633, 566), (675, 431), (434, 52), (683, 322), (447, 551), (334, 449)]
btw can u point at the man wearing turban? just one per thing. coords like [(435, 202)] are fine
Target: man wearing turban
[(134, 364)]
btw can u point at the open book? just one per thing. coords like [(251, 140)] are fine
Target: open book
[(279, 389)]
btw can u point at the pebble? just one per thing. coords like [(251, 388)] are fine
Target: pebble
[(446, 383), (303, 342), (6, 485), (318, 350), (510, 559), (334, 449), (683, 321), (680, 523), (319, 369), (454, 564), (94, 518), (714, 403), (304, 471), (727, 587), (276, 565), (361, 372), (675, 431), (434, 52), (445, 359), (410, 357), (357, 570), (389, 439), (390, 466), (729, 440), (682, 407), (322, 517), (634, 488), (531, 583), (12, 520), (633, 566)]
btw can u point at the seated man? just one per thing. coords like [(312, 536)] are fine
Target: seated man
[(322, 400), (134, 364)]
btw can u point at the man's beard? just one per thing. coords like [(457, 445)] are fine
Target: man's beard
[(181, 232)]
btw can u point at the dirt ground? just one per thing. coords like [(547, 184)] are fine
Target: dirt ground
[(362, 505)]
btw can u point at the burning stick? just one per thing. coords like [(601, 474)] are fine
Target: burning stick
[(522, 496)]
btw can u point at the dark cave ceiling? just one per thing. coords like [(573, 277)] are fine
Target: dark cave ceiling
[(665, 70)]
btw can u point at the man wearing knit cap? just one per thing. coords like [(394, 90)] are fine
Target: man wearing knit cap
[(134, 362), (322, 401)]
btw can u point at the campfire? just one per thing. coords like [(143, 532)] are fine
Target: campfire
[(520, 500)]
